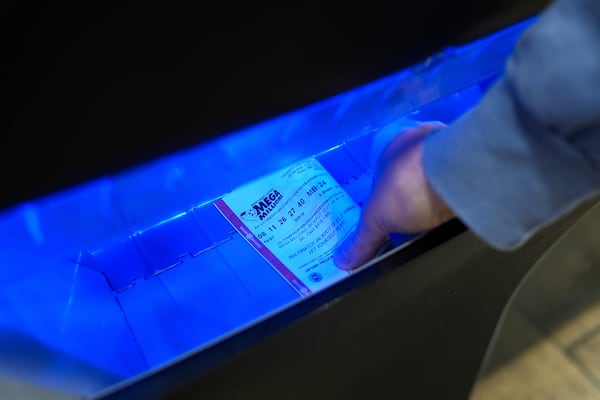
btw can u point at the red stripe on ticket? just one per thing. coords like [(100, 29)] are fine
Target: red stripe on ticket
[(260, 247)]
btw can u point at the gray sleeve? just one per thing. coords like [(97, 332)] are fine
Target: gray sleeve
[(530, 150)]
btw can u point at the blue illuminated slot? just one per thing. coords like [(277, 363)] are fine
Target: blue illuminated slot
[(360, 148), (109, 280), (121, 264), (216, 228)]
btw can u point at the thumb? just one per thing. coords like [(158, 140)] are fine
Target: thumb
[(362, 245)]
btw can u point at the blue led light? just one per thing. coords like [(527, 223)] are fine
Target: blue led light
[(110, 279)]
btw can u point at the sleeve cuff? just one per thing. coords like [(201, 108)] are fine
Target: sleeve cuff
[(504, 176)]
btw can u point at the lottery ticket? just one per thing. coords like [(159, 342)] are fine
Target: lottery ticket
[(295, 218)]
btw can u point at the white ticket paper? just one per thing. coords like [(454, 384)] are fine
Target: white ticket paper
[(295, 218)]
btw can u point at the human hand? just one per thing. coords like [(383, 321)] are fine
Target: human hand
[(401, 199)]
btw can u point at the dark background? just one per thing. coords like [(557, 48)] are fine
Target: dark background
[(90, 90)]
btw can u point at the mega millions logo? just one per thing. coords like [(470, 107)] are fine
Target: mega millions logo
[(263, 206)]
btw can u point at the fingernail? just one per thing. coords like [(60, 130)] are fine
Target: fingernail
[(340, 258)]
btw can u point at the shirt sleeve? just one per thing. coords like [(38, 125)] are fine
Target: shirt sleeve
[(529, 152)]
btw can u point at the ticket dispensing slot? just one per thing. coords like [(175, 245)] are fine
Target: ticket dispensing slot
[(122, 275)]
